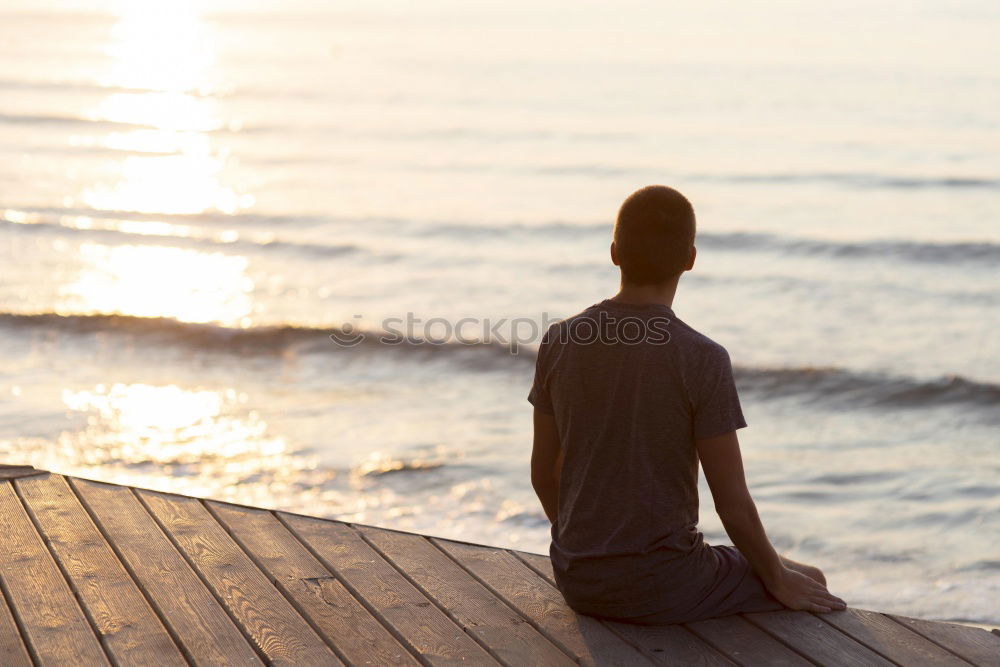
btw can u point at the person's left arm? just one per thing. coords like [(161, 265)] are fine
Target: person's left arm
[(546, 462)]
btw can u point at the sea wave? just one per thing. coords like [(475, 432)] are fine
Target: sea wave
[(213, 242), (852, 180), (913, 251), (809, 384), (91, 221), (48, 120), (64, 86), (859, 180), (201, 218), (867, 388), (261, 339)]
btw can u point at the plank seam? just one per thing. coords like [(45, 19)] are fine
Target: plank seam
[(732, 658), (930, 639), (779, 639), (428, 595), (541, 574), (857, 639), (18, 622), (353, 591), (497, 593), (280, 587), (646, 653), (101, 639), (5, 599), (197, 572), (863, 642), (128, 568)]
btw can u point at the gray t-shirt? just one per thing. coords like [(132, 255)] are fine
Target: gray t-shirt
[(632, 387)]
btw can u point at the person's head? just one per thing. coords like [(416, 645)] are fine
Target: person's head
[(654, 236)]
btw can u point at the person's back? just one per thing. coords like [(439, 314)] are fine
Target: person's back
[(625, 537), (627, 396)]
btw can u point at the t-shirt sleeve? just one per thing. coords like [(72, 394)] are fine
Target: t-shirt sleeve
[(717, 408), (540, 396)]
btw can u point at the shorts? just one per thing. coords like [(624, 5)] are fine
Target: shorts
[(737, 589)]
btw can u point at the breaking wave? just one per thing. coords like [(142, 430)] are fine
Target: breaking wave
[(808, 384)]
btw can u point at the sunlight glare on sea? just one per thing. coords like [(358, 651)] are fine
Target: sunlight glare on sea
[(163, 56)]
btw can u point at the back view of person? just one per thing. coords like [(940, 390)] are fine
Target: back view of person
[(628, 398)]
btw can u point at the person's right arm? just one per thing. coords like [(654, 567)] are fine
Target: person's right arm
[(723, 465)]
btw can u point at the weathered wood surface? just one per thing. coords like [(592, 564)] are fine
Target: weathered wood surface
[(131, 631), (744, 643), (811, 636), (349, 628), (434, 637), (889, 638), (94, 573), (497, 627), (972, 644), (13, 652), (204, 631), (54, 626), (263, 613)]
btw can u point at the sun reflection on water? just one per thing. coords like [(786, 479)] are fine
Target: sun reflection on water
[(163, 56), (176, 112), (173, 184), (139, 423), (158, 435), (164, 46), (153, 281)]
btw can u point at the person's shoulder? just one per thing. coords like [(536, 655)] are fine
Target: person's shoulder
[(557, 331), (699, 345)]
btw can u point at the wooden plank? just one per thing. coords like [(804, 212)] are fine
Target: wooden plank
[(346, 625), (744, 643), (670, 645), (501, 630), (810, 636), (540, 564), (413, 618), (13, 652), (130, 629), (973, 644), (278, 630), (536, 599), (205, 632), (890, 639), (57, 630)]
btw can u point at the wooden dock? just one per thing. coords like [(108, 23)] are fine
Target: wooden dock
[(96, 573)]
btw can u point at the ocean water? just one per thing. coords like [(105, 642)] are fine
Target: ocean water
[(195, 195)]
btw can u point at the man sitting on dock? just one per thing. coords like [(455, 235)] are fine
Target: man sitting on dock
[(628, 398)]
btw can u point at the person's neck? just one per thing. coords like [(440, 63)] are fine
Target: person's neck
[(647, 294)]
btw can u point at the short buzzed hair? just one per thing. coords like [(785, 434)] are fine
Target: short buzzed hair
[(653, 235)]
